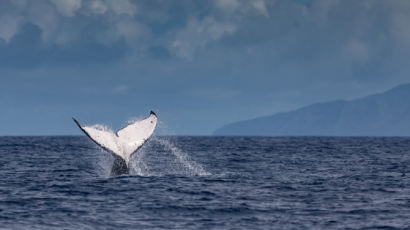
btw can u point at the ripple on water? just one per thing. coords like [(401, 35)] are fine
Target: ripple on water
[(207, 182)]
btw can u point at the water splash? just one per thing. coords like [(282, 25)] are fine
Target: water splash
[(102, 128), (160, 157), (163, 129), (137, 164), (104, 163), (192, 166)]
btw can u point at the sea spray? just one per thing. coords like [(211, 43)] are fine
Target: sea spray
[(192, 166), (157, 157), (160, 157), (104, 163), (163, 129), (137, 163), (102, 128)]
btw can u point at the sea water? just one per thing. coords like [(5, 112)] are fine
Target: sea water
[(207, 183)]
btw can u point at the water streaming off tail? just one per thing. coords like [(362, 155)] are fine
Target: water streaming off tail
[(159, 156), (183, 158), (104, 162)]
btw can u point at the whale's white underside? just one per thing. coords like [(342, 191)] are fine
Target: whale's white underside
[(125, 141)]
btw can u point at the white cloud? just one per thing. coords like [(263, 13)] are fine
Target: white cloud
[(9, 26), (243, 6), (260, 6), (98, 7), (67, 7), (128, 30), (197, 34), (46, 18), (400, 29), (123, 7), (111, 21), (229, 5)]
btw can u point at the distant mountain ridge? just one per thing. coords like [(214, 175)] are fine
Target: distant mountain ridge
[(383, 114)]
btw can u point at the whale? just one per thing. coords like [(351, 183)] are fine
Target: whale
[(123, 143)]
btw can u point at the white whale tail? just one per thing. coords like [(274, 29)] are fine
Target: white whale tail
[(123, 143)]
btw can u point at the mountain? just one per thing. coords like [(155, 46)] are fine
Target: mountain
[(383, 114)]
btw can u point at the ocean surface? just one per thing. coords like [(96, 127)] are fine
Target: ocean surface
[(207, 183)]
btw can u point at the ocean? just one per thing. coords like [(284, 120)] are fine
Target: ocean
[(207, 183)]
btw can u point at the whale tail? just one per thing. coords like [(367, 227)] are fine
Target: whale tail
[(123, 143)]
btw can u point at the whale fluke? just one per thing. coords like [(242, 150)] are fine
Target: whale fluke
[(124, 142)]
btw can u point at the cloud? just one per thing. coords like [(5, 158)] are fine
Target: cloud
[(243, 6), (128, 30), (67, 7), (44, 15), (123, 7), (98, 7), (197, 34), (9, 26), (260, 5), (399, 28), (66, 21), (228, 5), (186, 29)]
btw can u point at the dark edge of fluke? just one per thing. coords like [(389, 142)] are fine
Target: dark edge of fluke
[(151, 112)]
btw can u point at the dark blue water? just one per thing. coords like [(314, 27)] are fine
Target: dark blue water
[(207, 183)]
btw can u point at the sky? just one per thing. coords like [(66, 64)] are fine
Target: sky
[(197, 64)]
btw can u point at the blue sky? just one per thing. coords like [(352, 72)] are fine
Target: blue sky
[(198, 64)]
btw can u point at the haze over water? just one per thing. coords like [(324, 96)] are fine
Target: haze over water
[(207, 182)]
